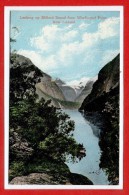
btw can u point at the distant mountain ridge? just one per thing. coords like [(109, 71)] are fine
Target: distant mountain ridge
[(61, 94), (46, 88), (75, 92), (85, 92)]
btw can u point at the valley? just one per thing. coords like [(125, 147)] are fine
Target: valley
[(98, 103)]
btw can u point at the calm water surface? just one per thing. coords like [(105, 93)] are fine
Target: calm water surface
[(85, 133)]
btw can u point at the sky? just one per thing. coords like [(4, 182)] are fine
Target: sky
[(70, 45)]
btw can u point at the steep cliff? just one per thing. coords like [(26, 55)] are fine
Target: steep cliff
[(108, 81), (101, 107)]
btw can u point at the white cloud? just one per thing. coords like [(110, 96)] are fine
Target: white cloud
[(106, 29), (83, 26), (90, 39), (69, 35), (40, 43), (32, 55), (67, 51), (51, 37), (109, 28), (54, 38), (65, 48), (50, 32), (48, 38), (43, 63)]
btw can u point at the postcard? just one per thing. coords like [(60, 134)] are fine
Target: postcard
[(64, 97)]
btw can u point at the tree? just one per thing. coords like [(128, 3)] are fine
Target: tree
[(23, 78), (47, 130)]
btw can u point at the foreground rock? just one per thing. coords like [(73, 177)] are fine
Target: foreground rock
[(46, 179)]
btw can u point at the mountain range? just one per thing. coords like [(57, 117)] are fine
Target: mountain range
[(61, 94), (101, 97)]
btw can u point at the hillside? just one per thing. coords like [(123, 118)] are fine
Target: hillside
[(46, 87), (49, 87)]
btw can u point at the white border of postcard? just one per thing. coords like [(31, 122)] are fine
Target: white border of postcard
[(6, 93)]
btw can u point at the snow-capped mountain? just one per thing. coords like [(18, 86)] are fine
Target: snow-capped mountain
[(73, 89)]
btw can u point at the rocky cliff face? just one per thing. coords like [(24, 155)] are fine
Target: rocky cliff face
[(61, 96), (108, 81), (49, 87), (46, 87), (104, 102)]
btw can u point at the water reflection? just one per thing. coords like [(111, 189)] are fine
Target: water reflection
[(87, 135)]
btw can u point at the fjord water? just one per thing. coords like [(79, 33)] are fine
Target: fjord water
[(85, 133)]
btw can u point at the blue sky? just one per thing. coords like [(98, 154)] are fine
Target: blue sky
[(73, 47)]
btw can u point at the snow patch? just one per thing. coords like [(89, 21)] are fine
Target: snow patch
[(77, 84)]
